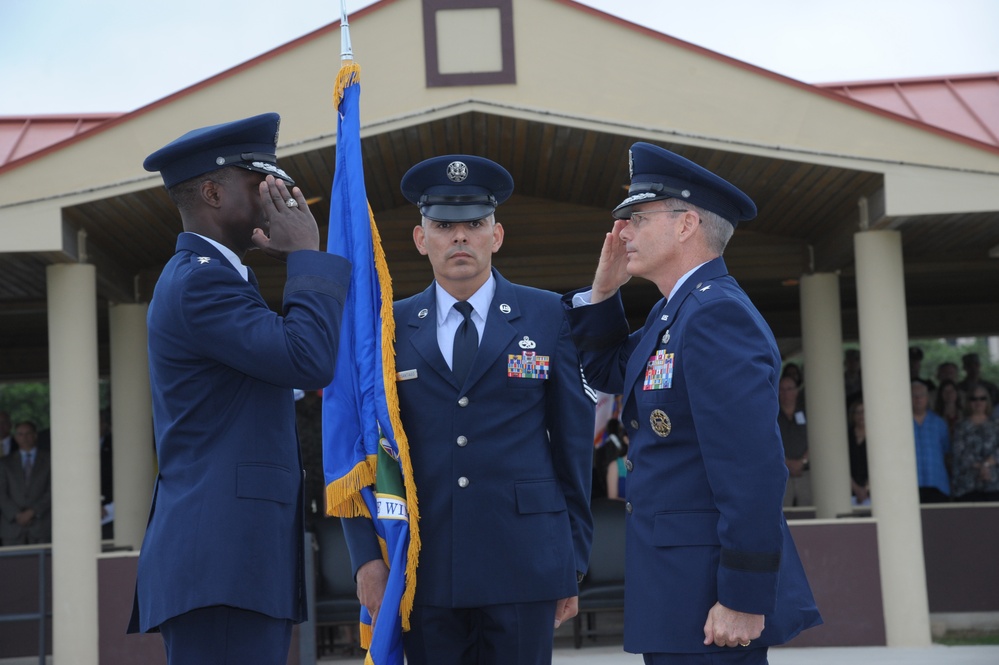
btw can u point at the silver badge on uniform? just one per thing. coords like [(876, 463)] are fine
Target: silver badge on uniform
[(505, 308), (423, 314), (526, 343), (666, 338), (660, 423), (406, 375)]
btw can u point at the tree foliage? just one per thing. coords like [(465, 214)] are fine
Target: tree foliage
[(30, 401), (26, 401)]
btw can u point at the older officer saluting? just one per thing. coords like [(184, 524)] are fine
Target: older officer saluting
[(712, 574), (500, 430), (220, 571)]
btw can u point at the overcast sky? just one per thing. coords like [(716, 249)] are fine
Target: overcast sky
[(79, 56)]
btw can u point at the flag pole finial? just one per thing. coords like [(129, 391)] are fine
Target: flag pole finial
[(346, 51)]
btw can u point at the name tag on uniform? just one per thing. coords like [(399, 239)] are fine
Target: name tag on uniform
[(528, 365), (405, 375), (659, 371)]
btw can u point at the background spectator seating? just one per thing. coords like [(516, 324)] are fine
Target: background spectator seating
[(336, 593), (602, 590)]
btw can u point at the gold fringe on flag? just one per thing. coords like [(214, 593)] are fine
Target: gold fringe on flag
[(365, 633), (343, 495), (344, 499), (392, 400)]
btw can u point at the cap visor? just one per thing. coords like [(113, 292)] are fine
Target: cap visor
[(623, 210), (457, 213), (267, 169)]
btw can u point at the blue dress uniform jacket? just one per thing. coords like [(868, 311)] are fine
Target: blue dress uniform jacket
[(501, 463), (705, 520), (225, 526)]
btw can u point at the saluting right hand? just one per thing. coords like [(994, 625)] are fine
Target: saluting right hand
[(289, 228), (612, 270)]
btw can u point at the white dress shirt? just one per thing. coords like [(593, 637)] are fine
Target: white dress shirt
[(448, 318)]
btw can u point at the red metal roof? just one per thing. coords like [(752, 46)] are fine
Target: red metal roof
[(967, 105), (23, 135)]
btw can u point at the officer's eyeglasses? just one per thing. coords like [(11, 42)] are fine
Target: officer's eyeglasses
[(638, 218)]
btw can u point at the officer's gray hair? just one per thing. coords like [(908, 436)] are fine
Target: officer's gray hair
[(717, 230)]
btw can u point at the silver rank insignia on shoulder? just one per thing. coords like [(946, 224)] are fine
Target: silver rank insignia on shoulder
[(505, 308), (422, 313), (526, 343), (660, 423), (666, 338), (204, 259), (705, 288)]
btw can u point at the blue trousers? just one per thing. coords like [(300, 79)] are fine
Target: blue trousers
[(733, 656), (222, 635), (518, 633)]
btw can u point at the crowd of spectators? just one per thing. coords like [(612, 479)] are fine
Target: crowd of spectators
[(955, 423)]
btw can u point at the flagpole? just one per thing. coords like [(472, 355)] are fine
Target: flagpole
[(346, 51)]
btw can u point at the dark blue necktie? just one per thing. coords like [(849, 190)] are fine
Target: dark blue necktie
[(466, 342)]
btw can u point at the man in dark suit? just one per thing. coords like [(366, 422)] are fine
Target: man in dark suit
[(220, 571), (500, 428), (26, 490), (712, 574)]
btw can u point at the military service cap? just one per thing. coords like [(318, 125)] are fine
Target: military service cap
[(457, 188), (250, 144), (657, 173)]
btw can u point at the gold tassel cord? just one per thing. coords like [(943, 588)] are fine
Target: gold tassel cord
[(350, 73)]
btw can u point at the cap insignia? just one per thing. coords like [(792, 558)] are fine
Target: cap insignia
[(220, 160), (457, 171)]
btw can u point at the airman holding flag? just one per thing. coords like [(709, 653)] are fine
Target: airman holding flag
[(499, 424)]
